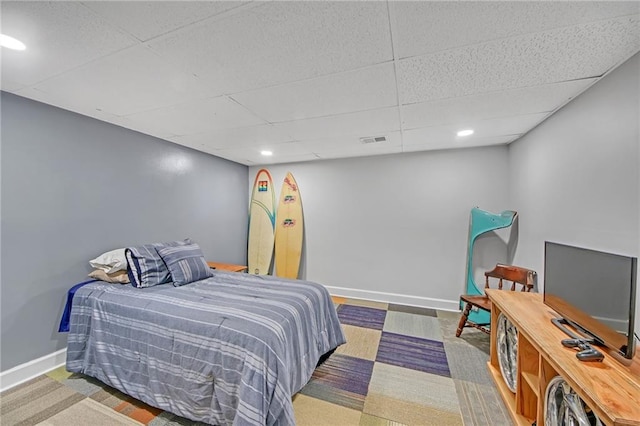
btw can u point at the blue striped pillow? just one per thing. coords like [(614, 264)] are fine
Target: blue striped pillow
[(145, 266), (186, 263)]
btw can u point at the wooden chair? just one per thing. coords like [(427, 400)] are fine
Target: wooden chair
[(519, 277)]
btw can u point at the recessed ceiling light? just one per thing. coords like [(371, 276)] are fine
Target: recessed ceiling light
[(466, 132), (11, 43), (266, 153)]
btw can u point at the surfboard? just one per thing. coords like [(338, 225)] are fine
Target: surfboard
[(289, 229), (261, 224)]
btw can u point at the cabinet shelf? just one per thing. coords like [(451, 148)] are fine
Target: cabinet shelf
[(508, 397), (533, 381)]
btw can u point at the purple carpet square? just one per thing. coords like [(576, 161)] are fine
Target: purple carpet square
[(361, 316), (342, 380), (413, 310), (414, 353)]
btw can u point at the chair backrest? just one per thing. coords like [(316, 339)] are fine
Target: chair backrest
[(518, 276)]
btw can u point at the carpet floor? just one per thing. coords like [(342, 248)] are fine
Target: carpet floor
[(401, 366)]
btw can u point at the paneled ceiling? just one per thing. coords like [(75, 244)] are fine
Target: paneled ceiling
[(308, 79)]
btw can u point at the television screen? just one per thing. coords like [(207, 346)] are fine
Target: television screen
[(594, 291)]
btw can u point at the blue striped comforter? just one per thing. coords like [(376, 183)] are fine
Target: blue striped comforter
[(228, 350)]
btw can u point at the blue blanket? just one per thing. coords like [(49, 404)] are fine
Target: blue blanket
[(229, 350), (66, 315)]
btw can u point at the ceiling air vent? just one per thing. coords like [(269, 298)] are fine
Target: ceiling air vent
[(376, 139)]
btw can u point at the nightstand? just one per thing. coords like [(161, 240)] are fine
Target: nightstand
[(227, 267)]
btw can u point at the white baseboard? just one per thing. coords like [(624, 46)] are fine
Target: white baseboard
[(401, 299), (29, 370)]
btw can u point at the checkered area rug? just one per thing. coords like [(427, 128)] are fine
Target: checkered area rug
[(393, 371)]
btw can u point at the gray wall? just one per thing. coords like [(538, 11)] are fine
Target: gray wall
[(576, 175), (74, 187), (397, 225)]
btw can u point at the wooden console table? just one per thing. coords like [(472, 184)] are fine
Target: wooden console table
[(610, 388), (227, 266)]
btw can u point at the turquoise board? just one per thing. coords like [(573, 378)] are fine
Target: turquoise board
[(480, 222)]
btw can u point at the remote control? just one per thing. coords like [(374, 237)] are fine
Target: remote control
[(571, 343), (590, 355)]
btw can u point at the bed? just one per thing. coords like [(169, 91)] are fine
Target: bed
[(231, 349)]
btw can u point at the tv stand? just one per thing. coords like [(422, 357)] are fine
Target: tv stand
[(609, 388)]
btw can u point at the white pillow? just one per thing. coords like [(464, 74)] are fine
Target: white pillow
[(110, 261), (119, 277)]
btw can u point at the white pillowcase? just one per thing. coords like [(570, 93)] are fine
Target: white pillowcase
[(119, 277), (110, 261)]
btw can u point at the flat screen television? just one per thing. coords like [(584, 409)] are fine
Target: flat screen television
[(595, 292)]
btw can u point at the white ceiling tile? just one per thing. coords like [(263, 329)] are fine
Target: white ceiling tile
[(282, 152), (428, 27), (298, 158), (252, 156), (359, 152), (447, 135), (64, 103), (364, 123), (8, 85), (358, 90), (362, 150), (280, 42), (282, 149), (197, 116), (149, 19), (569, 53), (512, 125), (145, 128), (185, 142), (492, 105), (434, 144), (235, 138), (352, 143), (126, 82), (28, 92), (59, 36)]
